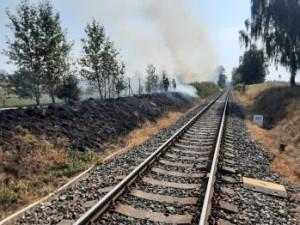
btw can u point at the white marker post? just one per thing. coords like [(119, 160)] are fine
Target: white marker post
[(258, 120)]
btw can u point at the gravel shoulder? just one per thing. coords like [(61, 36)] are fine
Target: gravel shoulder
[(70, 204), (253, 161)]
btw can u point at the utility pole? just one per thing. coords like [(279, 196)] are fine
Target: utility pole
[(139, 85), (129, 87)]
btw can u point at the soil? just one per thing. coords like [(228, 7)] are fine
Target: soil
[(87, 125)]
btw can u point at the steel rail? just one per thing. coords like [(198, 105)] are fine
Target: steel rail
[(99, 208), (206, 207)]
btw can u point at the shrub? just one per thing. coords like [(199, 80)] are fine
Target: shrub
[(7, 195), (206, 89), (241, 87)]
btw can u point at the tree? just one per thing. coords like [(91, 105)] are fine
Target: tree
[(20, 84), (3, 77), (93, 53), (276, 24), (26, 49), (111, 68), (68, 89), (100, 63), (222, 78), (39, 49), (56, 49), (120, 84), (151, 79), (252, 69)]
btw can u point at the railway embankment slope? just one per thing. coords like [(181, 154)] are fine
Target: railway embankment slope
[(41, 148), (280, 106)]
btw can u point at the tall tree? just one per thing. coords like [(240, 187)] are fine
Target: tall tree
[(151, 79), (20, 84), (222, 78), (252, 69), (25, 50), (277, 24), (55, 48), (93, 53), (68, 89), (120, 84), (39, 49)]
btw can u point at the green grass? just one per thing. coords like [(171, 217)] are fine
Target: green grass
[(206, 89), (11, 100)]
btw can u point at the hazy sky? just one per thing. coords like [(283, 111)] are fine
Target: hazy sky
[(191, 37)]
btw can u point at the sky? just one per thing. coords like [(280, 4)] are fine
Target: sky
[(186, 37)]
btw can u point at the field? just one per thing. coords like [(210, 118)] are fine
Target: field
[(280, 106), (11, 100)]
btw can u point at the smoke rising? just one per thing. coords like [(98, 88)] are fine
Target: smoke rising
[(192, 53), (165, 33)]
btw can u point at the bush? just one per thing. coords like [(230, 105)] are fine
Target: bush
[(7, 195), (241, 87), (76, 162), (206, 89)]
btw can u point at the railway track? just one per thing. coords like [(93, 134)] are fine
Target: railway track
[(175, 184)]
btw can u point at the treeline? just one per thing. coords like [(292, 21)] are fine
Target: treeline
[(41, 52), (252, 69), (154, 84)]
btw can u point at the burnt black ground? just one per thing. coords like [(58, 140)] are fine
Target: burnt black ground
[(88, 124)]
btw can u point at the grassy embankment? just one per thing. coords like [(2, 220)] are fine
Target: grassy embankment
[(36, 168), (280, 105)]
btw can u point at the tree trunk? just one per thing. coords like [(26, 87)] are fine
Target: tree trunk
[(37, 99), (100, 92), (52, 96), (293, 76)]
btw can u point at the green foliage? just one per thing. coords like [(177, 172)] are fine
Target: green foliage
[(76, 162), (20, 85), (222, 80), (7, 194), (56, 49), (276, 24), (252, 69), (206, 89), (39, 49), (100, 64), (222, 77), (241, 87), (68, 89), (24, 51), (151, 79)]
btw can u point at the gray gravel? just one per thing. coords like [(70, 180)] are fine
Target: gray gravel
[(69, 204), (253, 161)]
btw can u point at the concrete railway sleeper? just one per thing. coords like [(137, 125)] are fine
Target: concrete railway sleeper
[(174, 183)]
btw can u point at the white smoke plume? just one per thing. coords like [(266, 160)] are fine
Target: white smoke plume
[(166, 33), (187, 41)]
